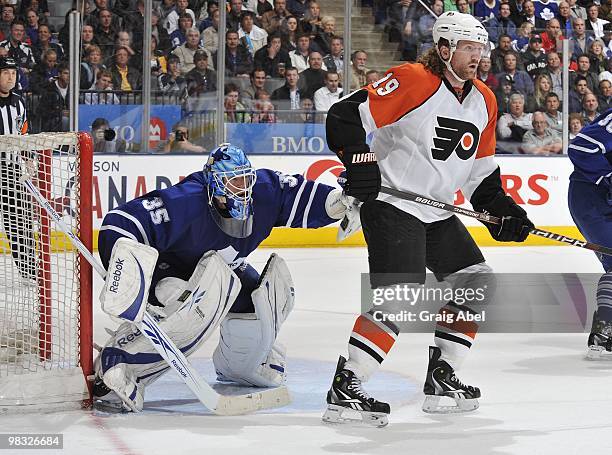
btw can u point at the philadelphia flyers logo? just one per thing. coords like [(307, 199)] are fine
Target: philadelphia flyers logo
[(454, 136)]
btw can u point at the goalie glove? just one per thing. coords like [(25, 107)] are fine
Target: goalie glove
[(339, 205), (515, 225)]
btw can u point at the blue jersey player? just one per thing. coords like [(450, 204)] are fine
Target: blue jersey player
[(590, 203), (228, 208)]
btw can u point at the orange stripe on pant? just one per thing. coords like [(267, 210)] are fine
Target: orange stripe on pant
[(367, 329), (468, 328)]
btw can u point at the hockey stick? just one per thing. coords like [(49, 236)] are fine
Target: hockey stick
[(217, 403), (409, 196)]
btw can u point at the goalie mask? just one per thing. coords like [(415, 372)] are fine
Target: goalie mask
[(230, 179)]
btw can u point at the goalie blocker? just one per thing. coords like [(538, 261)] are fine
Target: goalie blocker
[(191, 311)]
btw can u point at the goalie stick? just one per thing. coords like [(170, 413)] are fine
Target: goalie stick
[(217, 403), (409, 196)]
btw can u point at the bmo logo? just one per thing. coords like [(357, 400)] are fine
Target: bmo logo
[(157, 131), (524, 190)]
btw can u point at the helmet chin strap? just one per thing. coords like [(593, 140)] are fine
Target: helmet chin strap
[(449, 66)]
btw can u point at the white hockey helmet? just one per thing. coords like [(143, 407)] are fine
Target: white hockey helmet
[(454, 27)]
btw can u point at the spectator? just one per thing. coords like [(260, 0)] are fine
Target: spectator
[(159, 62), (553, 116), (186, 51), (605, 97), (172, 82), (486, 75), (234, 111), (313, 77), (523, 34), (165, 8), (40, 6), (178, 142), (91, 64), (575, 124), (264, 112), (307, 111), (93, 18), (297, 8), (251, 36), (545, 9), (104, 83), (44, 44), (577, 11), (272, 58), (598, 59), (334, 61), (289, 95), (400, 13), (105, 34), (552, 37), (329, 94), (359, 69), (133, 21), (504, 47), (258, 82), (534, 59), (210, 35), (485, 10), (33, 22), (521, 81), (542, 87), (158, 31), (299, 57), (200, 79), (576, 95), (17, 49), (272, 20), (44, 72), (463, 6), (372, 76), (125, 77), (179, 36), (87, 36), (425, 26), (590, 108), (541, 140), (580, 42), (553, 69), (172, 20), (311, 23), (501, 24), (565, 18), (8, 16), (234, 15), (607, 74), (124, 39), (238, 60), (529, 15), (289, 34), (584, 69), (54, 103), (325, 34), (593, 22), (211, 7), (261, 7), (513, 125)]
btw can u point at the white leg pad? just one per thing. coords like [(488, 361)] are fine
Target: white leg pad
[(247, 352)]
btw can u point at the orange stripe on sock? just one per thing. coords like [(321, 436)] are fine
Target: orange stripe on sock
[(467, 328), (367, 329)]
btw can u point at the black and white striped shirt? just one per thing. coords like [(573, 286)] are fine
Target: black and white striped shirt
[(13, 120)]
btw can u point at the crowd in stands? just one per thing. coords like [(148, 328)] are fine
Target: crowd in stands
[(284, 61)]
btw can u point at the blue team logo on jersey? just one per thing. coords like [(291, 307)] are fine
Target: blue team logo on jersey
[(454, 135)]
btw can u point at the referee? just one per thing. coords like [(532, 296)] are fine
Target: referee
[(15, 204)]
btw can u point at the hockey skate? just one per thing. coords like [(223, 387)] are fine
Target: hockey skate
[(442, 382), (600, 340), (346, 394)]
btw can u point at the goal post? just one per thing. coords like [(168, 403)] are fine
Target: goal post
[(46, 351)]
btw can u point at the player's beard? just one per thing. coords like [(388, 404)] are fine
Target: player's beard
[(467, 72)]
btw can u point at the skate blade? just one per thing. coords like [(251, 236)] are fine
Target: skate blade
[(598, 353), (334, 414), (431, 405)]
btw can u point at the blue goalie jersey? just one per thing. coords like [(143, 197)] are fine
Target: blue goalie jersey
[(177, 220), (591, 151)]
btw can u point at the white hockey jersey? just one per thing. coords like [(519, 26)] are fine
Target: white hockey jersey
[(426, 140)]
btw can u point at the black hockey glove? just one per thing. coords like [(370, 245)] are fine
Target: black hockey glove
[(515, 225), (362, 173)]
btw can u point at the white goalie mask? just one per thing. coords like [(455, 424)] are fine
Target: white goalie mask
[(454, 27)]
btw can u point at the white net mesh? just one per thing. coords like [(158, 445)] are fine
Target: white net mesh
[(39, 269)]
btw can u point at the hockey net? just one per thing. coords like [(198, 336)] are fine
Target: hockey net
[(45, 285)]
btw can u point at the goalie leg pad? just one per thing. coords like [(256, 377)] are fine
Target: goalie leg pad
[(247, 352), (128, 279), (199, 305)]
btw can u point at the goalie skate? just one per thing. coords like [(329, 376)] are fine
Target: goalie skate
[(600, 340), (347, 396), (441, 382)]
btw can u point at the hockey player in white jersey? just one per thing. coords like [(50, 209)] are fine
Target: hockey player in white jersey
[(228, 209), (433, 128)]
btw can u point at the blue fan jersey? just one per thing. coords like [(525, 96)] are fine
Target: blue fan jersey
[(177, 221), (591, 150)]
